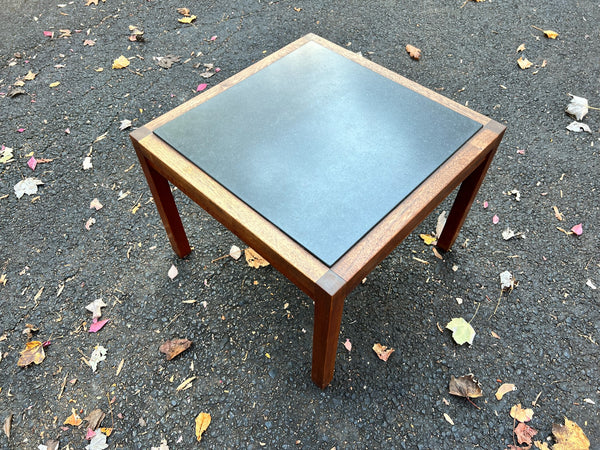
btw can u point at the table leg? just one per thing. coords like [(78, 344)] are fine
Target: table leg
[(462, 203), (165, 203), (329, 304)]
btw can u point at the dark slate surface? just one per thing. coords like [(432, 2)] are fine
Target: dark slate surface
[(319, 145)]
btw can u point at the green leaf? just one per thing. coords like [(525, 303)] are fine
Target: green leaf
[(462, 331)]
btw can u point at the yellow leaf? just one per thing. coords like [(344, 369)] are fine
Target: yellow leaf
[(202, 423), (99, 69), (73, 419), (520, 414), (254, 259), (33, 353), (19, 83), (189, 19), (521, 48), (541, 445), (505, 388), (120, 63), (524, 63), (106, 431), (551, 34), (56, 83), (428, 239), (30, 76), (569, 437)]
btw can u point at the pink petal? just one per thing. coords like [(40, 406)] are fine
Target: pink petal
[(97, 326), (577, 229), (217, 70), (521, 152), (495, 219), (90, 434), (348, 344), (214, 38), (48, 33), (67, 131), (201, 87), (485, 204), (20, 130), (32, 163)]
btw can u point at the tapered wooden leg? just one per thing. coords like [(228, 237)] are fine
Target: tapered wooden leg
[(329, 304), (463, 201), (165, 203)]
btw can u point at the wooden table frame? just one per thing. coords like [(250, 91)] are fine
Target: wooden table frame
[(327, 286)]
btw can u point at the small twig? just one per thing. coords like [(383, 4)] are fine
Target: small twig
[(497, 304), (62, 387), (478, 305), (112, 418), (219, 258)]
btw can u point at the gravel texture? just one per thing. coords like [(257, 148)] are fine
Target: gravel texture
[(251, 328)]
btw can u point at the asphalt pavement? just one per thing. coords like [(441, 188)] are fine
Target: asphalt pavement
[(64, 104)]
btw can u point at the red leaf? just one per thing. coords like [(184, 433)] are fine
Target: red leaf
[(525, 433)]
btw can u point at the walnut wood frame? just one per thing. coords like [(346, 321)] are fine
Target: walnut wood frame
[(327, 286)]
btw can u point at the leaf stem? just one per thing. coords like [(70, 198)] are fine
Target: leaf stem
[(472, 403), (478, 305)]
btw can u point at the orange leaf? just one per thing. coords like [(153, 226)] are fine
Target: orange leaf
[(73, 419), (413, 51), (202, 423), (520, 414), (254, 259), (569, 436), (382, 351), (33, 353), (505, 388)]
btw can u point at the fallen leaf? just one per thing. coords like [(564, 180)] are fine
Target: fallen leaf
[(88, 224), (94, 419), (569, 437), (466, 386), (125, 123), (167, 61), (508, 234), (120, 63), (202, 423), (6, 155), (520, 414), (30, 76), (27, 186), (73, 419), (97, 326), (541, 445), (506, 280), (95, 308), (183, 11), (87, 163), (99, 354), (521, 48), (33, 353), (549, 33), (235, 252), (7, 425), (188, 19), (348, 344), (32, 163), (462, 331), (173, 272), (95, 204), (174, 347), (254, 259), (382, 351), (504, 389), (578, 127), (428, 239), (413, 51), (524, 63), (577, 107), (53, 85), (16, 91), (448, 419), (524, 433), (495, 335), (577, 229), (89, 42)]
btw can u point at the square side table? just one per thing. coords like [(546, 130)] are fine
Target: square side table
[(323, 162)]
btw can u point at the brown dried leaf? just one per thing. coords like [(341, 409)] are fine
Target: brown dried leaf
[(7, 425), (254, 259), (505, 388), (382, 351), (94, 419), (569, 436), (33, 353), (525, 433), (202, 423), (413, 51), (465, 386), (558, 214), (541, 445), (521, 48), (524, 63), (174, 347), (520, 414), (183, 11)]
